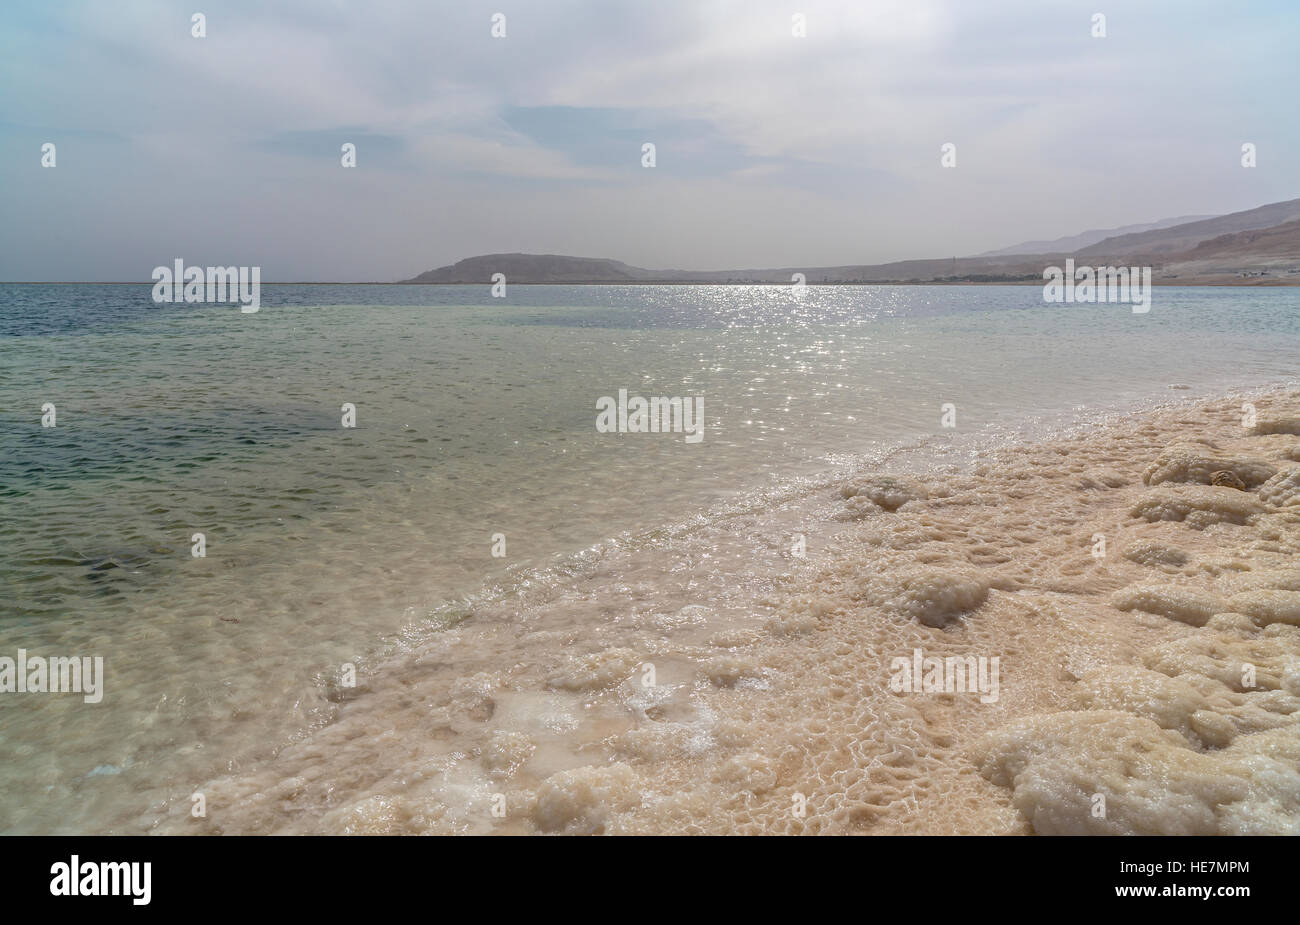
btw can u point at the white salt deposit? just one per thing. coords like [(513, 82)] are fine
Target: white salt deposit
[(1147, 632)]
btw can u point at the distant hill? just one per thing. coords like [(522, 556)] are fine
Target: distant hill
[(1074, 243), (1280, 241), (552, 268), (534, 268), (1265, 256), (1254, 247), (1181, 238)]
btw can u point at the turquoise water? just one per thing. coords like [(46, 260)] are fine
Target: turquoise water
[(475, 417)]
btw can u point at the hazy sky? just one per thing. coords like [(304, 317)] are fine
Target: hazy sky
[(771, 150)]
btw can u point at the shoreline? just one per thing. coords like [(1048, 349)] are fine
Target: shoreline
[(1190, 283), (773, 683)]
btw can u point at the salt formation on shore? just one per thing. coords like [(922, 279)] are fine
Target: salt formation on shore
[(1146, 620), (1200, 737)]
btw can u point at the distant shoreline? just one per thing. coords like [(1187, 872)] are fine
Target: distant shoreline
[(1189, 283)]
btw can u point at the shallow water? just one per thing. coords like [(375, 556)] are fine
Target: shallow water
[(475, 417)]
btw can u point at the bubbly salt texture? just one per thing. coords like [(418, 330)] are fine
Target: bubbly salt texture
[(520, 677), (772, 673)]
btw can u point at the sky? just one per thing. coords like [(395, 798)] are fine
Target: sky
[(770, 149)]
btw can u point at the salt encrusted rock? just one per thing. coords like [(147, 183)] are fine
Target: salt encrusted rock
[(1173, 601), (1193, 462), (506, 752), (1277, 425), (887, 492), (1268, 580), (1269, 606), (1102, 479), (595, 670), (1153, 781), (580, 800), (1169, 702), (1226, 478), (1153, 554), (1283, 489), (933, 596), (1198, 505)]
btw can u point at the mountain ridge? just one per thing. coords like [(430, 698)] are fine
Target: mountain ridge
[(1087, 238), (1253, 246)]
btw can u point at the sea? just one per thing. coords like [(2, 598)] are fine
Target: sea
[(246, 516)]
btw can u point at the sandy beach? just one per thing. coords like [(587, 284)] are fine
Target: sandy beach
[(1143, 624)]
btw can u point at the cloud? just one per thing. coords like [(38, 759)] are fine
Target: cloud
[(770, 148)]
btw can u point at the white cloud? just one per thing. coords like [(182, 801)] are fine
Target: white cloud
[(1056, 131)]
